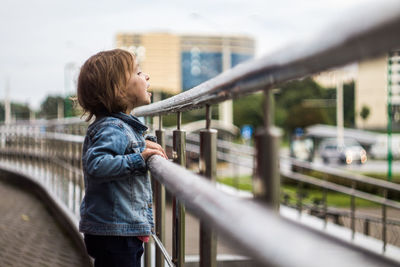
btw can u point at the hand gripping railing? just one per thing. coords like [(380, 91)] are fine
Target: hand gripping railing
[(368, 34)]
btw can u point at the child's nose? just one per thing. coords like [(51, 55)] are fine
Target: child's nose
[(147, 77)]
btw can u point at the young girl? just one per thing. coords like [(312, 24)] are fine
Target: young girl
[(116, 212)]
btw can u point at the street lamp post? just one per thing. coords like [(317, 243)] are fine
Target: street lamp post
[(7, 104), (68, 67), (225, 109), (339, 108), (389, 124)]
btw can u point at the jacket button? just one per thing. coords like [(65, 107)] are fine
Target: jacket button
[(149, 205)]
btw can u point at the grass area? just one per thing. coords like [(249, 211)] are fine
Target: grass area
[(314, 196), (309, 195), (241, 182)]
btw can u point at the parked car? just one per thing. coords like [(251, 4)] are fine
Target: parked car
[(351, 151)]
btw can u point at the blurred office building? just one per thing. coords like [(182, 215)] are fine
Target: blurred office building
[(178, 63), (372, 91), (328, 79)]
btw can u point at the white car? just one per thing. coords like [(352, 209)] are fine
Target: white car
[(351, 151), (379, 150)]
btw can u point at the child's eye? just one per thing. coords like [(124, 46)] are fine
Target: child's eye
[(139, 73)]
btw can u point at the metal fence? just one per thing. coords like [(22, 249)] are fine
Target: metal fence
[(306, 174), (52, 152), (333, 179)]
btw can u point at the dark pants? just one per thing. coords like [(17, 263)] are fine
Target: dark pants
[(118, 251)]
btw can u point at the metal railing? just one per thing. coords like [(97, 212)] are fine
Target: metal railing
[(373, 35), (389, 230), (53, 157), (253, 227), (351, 190)]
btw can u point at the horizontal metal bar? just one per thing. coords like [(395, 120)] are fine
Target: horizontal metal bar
[(53, 122), (238, 158), (64, 164), (256, 230), (373, 219), (341, 189), (369, 33), (73, 138), (64, 137), (346, 175), (163, 250)]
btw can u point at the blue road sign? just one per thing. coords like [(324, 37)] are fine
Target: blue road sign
[(247, 131)]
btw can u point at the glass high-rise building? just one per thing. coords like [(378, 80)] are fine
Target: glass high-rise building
[(180, 62)]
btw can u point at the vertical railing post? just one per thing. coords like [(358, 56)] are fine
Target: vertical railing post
[(325, 202), (160, 201), (384, 217), (73, 176), (208, 166), (53, 165), (266, 182), (147, 246), (178, 213), (81, 178), (353, 211), (18, 147), (70, 172), (366, 227), (299, 194)]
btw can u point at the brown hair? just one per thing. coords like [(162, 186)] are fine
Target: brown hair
[(102, 82)]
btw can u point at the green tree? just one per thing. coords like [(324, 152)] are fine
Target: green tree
[(291, 111), (18, 111), (364, 113), (49, 107), (248, 110)]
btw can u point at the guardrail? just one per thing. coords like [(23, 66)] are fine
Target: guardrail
[(258, 230), (383, 187), (372, 35)]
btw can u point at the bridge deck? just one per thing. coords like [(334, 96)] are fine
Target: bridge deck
[(30, 236)]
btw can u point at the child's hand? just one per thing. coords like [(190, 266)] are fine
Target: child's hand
[(153, 149)]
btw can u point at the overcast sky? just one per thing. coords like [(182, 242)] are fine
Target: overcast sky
[(40, 37)]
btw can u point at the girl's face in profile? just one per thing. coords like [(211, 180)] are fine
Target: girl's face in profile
[(136, 89)]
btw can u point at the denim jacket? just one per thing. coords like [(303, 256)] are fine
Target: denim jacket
[(118, 196)]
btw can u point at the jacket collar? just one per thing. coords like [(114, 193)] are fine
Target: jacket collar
[(133, 121)]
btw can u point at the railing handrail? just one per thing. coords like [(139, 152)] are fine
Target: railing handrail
[(340, 188), (247, 150), (270, 240), (347, 175), (343, 44), (45, 122)]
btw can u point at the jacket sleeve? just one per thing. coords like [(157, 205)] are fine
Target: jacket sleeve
[(106, 159)]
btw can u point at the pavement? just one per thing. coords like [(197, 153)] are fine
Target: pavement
[(30, 236)]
